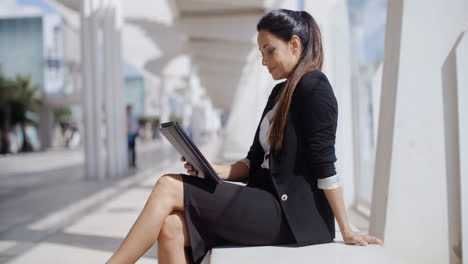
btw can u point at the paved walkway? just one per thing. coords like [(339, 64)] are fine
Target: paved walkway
[(51, 214)]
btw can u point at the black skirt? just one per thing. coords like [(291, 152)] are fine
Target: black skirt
[(233, 214)]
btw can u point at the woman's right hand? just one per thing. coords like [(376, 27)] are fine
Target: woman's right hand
[(190, 169)]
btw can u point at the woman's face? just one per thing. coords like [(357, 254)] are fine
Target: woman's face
[(279, 56)]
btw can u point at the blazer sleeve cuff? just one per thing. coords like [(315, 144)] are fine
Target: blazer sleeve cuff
[(328, 183)]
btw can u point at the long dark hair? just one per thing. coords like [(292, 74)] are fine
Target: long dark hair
[(284, 24)]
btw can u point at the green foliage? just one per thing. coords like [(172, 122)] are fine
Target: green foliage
[(5, 91), (144, 120), (62, 114), (21, 96), (18, 97), (173, 117), (6, 96)]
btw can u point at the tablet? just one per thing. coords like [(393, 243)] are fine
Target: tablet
[(185, 146)]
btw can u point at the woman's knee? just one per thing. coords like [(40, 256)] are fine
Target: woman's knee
[(174, 229), (171, 186), (165, 183), (168, 180)]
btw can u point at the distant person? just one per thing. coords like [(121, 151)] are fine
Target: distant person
[(132, 132), (292, 196), (190, 130)]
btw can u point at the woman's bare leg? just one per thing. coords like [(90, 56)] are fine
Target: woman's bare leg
[(166, 196), (173, 239)]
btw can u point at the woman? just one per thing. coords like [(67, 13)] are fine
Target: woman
[(292, 195)]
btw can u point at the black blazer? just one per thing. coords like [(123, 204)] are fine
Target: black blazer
[(307, 154)]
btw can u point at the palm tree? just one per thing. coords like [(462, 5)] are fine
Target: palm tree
[(17, 98), (6, 95), (26, 98)]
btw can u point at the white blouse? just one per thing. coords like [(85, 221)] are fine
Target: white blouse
[(325, 183)]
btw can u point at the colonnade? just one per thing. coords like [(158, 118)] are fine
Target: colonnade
[(103, 102)]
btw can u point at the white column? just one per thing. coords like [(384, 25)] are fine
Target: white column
[(92, 90), (189, 98), (462, 83), (417, 189), (46, 126), (118, 82), (248, 102), (108, 86), (452, 149), (87, 65), (384, 144), (165, 111), (98, 114)]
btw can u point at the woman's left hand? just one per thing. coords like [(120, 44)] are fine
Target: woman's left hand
[(352, 238)]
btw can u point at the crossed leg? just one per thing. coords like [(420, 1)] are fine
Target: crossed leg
[(173, 239), (162, 218)]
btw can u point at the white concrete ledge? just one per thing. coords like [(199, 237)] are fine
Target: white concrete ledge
[(336, 253)]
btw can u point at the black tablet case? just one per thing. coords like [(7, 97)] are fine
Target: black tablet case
[(185, 146)]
